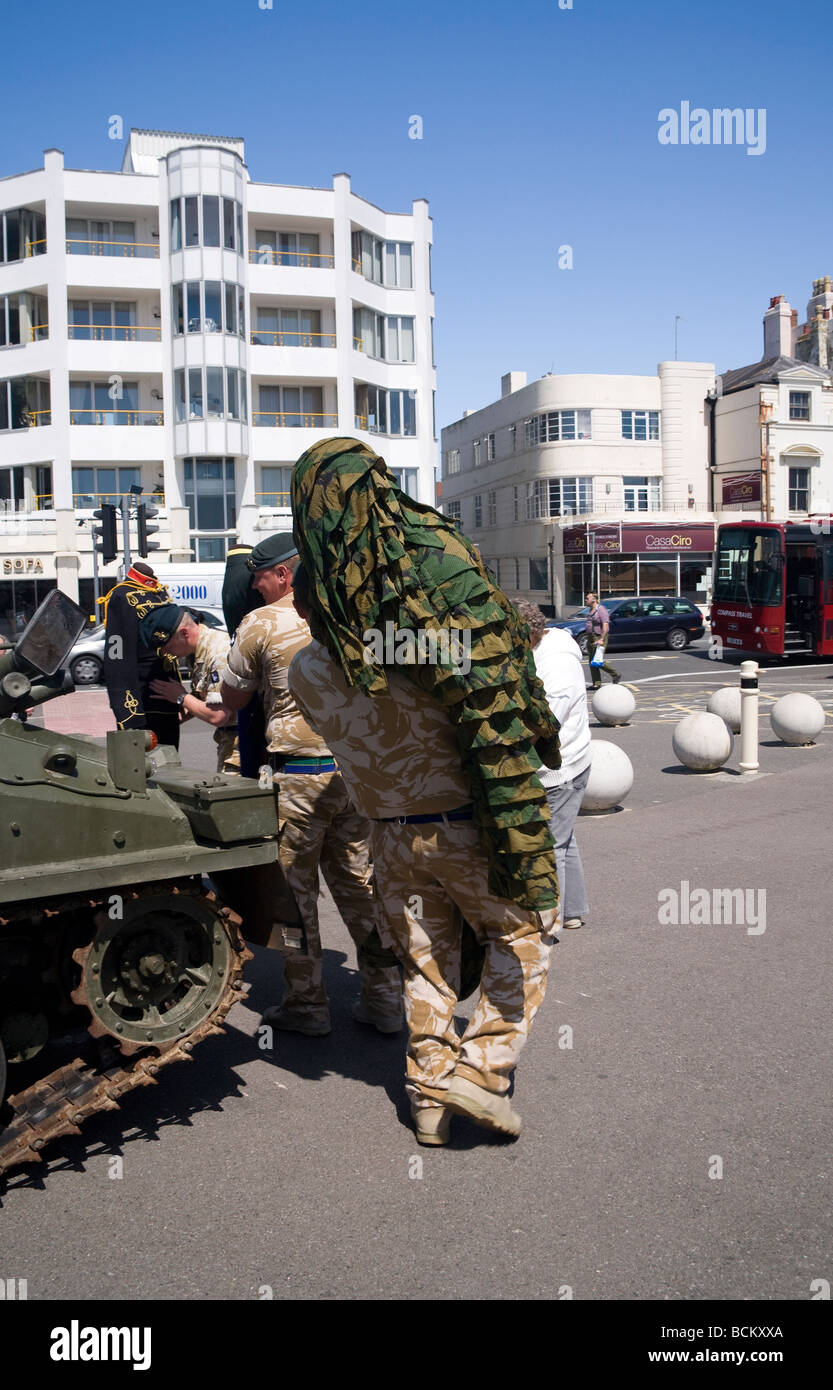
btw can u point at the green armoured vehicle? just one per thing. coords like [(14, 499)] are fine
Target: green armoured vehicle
[(116, 956)]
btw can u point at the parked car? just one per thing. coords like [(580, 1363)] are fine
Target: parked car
[(86, 660), (642, 622)]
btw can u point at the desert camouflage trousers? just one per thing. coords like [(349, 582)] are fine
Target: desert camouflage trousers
[(319, 827), (428, 877)]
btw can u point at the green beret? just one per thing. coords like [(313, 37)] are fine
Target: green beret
[(159, 625), (275, 550)]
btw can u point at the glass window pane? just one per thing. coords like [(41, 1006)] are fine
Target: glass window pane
[(243, 402), (228, 223), (231, 389), (241, 313), (391, 348), (405, 272), (195, 392), (79, 319), (390, 263), (194, 317), (230, 323), (210, 220), (313, 405), (239, 209), (179, 383), (192, 226), (213, 392), (176, 307), (394, 406), (213, 312), (13, 239), (266, 243), (176, 224), (406, 340), (410, 412)]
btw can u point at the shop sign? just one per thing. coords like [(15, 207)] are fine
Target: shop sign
[(16, 568), (593, 540), (643, 539), (741, 488)]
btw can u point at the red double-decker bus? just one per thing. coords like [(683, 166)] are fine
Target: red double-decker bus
[(773, 587)]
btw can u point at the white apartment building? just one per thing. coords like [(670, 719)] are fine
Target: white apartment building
[(179, 328), (576, 482)]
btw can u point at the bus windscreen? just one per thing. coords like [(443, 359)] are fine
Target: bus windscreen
[(750, 567)]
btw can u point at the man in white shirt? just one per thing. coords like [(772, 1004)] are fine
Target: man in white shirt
[(558, 663)]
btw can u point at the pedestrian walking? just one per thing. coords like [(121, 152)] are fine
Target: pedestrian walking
[(441, 757), (558, 661), (318, 824), (597, 627)]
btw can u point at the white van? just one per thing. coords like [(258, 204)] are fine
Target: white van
[(197, 584)]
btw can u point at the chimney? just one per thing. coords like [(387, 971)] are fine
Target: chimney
[(778, 336), (512, 381)]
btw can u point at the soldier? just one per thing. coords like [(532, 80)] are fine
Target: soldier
[(441, 760), (239, 598), (206, 651), (130, 665), (318, 825)]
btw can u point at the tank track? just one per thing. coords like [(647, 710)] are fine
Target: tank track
[(57, 1104)]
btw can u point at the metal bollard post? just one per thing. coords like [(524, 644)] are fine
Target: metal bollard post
[(749, 716)]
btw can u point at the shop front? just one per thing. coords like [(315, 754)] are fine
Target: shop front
[(23, 586), (624, 559)]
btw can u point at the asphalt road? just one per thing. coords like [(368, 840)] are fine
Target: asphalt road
[(675, 1089)]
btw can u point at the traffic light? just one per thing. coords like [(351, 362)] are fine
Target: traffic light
[(105, 537), (144, 513)]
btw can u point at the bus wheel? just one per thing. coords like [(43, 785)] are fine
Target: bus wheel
[(676, 639)]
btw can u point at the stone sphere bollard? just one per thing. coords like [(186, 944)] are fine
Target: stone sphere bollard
[(726, 703), (610, 780), (797, 719), (702, 742), (613, 704)]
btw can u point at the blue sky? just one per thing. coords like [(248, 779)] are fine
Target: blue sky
[(539, 130)]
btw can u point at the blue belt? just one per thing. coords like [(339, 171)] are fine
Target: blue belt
[(464, 813), (283, 762)]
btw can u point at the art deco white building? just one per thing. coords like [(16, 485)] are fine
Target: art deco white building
[(572, 482), (179, 327)]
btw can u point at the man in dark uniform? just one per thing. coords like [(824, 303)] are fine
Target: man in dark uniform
[(239, 598), (129, 666)]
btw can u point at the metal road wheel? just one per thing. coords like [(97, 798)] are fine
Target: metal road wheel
[(85, 670), (676, 639), (582, 641), (153, 976)]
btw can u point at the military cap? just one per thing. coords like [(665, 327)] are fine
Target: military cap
[(275, 550), (159, 625)]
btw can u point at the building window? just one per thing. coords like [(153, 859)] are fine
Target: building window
[(538, 578), (97, 321), (275, 482), (476, 451), (799, 489), (513, 438), (385, 412), (799, 405), (557, 426), (213, 393), (290, 249), (433, 346), (452, 510), (210, 498), (292, 407), (90, 236), (384, 262), (22, 234), (108, 403), (491, 509), (407, 480), (389, 337), (290, 328), (490, 447), (516, 504), (640, 424), (24, 403), (93, 487), (452, 462), (642, 494), (478, 511), (222, 222), (570, 496), (24, 318), (207, 306), (517, 573)]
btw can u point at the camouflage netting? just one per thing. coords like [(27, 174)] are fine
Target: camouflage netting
[(375, 556)]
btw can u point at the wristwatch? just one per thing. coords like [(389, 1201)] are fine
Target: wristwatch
[(180, 700)]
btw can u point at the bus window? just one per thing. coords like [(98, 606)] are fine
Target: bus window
[(749, 567)]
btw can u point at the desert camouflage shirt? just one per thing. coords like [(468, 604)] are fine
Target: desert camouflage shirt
[(208, 668), (397, 752), (261, 650)]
